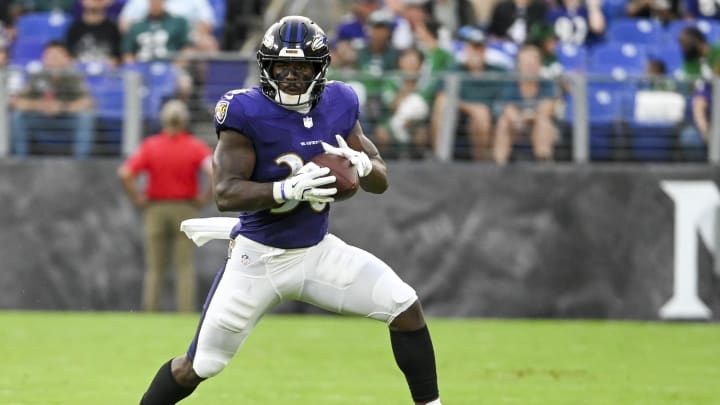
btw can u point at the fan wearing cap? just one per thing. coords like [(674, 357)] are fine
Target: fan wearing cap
[(477, 91), (374, 61)]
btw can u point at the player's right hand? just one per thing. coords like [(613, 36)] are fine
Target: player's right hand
[(306, 185)]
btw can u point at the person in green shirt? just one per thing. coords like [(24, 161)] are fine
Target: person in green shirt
[(55, 104), (159, 36), (374, 60), (528, 109), (698, 55), (477, 92)]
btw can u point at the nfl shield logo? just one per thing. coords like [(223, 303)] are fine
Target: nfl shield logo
[(307, 121)]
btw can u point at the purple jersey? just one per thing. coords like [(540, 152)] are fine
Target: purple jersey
[(284, 140)]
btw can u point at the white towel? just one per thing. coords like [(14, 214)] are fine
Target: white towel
[(203, 230)]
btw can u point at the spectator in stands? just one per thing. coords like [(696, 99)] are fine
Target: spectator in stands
[(403, 132), (453, 14), (171, 160), (198, 13), (657, 77), (352, 26), (578, 22), (94, 37), (410, 14), (543, 36), (513, 19), (159, 36), (55, 102), (695, 135), (528, 110), (476, 94), (374, 60), (8, 12), (698, 55), (112, 11), (701, 9), (663, 10), (241, 17)]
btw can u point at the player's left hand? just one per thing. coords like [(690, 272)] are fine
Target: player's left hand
[(359, 159)]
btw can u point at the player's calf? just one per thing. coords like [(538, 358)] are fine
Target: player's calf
[(174, 381), (414, 354)]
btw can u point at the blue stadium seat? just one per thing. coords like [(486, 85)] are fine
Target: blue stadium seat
[(572, 57), (618, 59), (614, 9), (606, 114), (160, 82), (222, 76), (44, 25), (710, 28), (635, 30), (220, 9), (670, 54), (650, 140), (26, 50)]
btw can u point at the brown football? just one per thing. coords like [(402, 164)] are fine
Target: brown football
[(347, 181)]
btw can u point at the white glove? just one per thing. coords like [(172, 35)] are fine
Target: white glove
[(360, 160), (305, 185)]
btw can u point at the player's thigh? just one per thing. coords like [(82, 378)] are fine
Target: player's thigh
[(240, 296), (348, 280)]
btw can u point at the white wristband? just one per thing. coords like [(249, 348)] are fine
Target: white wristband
[(279, 192)]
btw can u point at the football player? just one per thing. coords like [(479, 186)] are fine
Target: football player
[(280, 248)]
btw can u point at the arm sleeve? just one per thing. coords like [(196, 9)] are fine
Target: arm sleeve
[(137, 162)]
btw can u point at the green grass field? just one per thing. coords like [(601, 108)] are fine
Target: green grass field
[(109, 358)]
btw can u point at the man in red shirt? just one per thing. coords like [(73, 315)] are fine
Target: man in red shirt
[(171, 161)]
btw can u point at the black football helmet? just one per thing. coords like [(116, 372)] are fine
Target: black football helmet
[(294, 38)]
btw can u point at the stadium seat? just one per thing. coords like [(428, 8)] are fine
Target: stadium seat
[(222, 76), (160, 83), (26, 50), (618, 60), (614, 9), (605, 119), (670, 54), (108, 91), (635, 30), (572, 57), (652, 128), (42, 25), (710, 28)]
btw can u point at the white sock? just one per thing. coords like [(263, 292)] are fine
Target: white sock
[(435, 402)]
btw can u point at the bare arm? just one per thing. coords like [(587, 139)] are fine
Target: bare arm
[(377, 181), (128, 182), (596, 18), (203, 198), (699, 110), (233, 164)]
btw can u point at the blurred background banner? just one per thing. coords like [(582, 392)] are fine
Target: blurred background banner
[(527, 240)]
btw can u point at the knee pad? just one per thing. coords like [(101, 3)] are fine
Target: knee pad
[(209, 366)]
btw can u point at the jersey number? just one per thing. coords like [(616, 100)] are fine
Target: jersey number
[(295, 163)]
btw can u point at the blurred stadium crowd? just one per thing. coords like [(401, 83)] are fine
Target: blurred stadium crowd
[(497, 79)]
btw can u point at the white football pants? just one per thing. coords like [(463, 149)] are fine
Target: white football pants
[(332, 275)]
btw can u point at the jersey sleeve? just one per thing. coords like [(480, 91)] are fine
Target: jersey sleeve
[(137, 162), (349, 98), (230, 114)]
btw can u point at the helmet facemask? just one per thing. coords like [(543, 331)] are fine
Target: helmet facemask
[(294, 99), (294, 39)]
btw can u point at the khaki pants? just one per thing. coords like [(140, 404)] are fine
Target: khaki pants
[(163, 240)]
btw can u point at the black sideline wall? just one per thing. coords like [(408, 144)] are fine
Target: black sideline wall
[(528, 240)]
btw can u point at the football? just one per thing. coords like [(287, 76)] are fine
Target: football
[(347, 181)]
